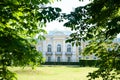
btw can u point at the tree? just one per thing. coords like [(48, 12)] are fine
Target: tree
[(98, 22), (20, 21)]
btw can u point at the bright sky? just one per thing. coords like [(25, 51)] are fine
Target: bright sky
[(67, 6)]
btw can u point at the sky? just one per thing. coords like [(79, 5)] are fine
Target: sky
[(67, 6)]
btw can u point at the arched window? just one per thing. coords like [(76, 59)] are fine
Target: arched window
[(68, 48), (49, 48), (58, 48)]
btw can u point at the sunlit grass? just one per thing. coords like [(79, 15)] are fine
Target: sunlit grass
[(53, 73)]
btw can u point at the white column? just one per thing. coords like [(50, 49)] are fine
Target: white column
[(64, 50), (54, 47), (44, 46), (44, 49), (74, 54)]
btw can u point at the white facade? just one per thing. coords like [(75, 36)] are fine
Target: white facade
[(55, 49)]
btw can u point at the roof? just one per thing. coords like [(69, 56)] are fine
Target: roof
[(53, 33)]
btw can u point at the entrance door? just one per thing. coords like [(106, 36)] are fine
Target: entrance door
[(69, 59), (58, 59)]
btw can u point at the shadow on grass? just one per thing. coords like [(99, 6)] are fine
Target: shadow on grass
[(71, 66)]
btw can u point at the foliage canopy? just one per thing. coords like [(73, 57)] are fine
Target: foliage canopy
[(20, 21), (99, 23)]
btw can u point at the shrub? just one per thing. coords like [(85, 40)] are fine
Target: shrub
[(90, 63)]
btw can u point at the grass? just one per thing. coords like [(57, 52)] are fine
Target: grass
[(53, 73)]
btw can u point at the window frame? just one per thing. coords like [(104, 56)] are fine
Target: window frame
[(58, 48), (58, 59), (49, 48), (69, 48), (68, 59), (49, 59)]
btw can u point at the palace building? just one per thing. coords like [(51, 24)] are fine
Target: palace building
[(54, 48)]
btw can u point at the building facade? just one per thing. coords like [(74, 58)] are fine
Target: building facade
[(54, 48)]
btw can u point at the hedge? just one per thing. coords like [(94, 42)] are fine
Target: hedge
[(96, 63), (61, 63), (82, 63), (89, 63)]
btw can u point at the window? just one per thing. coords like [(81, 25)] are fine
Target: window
[(49, 48), (58, 59), (80, 58), (87, 57), (69, 59), (58, 48), (49, 59), (94, 57), (68, 48), (80, 50)]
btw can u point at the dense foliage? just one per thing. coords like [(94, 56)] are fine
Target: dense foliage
[(99, 23), (20, 21)]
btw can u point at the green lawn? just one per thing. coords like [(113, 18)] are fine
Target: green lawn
[(53, 73)]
